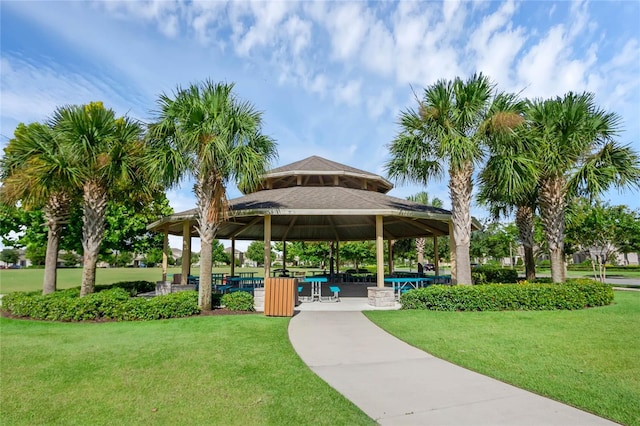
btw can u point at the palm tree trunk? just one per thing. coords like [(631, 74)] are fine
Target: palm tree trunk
[(206, 267), (524, 222), (55, 212), (49, 284), (208, 189), (460, 190), (552, 204), (94, 208)]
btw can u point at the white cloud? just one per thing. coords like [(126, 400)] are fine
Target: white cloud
[(349, 92), (299, 32), (266, 17)]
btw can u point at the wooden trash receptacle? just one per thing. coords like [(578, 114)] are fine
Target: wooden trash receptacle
[(280, 296)]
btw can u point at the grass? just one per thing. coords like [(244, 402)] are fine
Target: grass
[(31, 279), (616, 273), (586, 358), (232, 370)]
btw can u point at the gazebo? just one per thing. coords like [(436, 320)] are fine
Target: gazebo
[(316, 199)]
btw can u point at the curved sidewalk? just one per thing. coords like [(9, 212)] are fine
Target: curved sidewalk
[(397, 384)]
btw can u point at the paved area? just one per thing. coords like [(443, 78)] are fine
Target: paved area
[(354, 304), (397, 384)]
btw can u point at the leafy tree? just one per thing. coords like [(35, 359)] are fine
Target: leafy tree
[(291, 250), (576, 155), (206, 132), (444, 130), (36, 172), (10, 256), (423, 198), (592, 229), (627, 236), (126, 224), (154, 257), (255, 252), (358, 252), (597, 229), (107, 164), (37, 254), (20, 227), (218, 253), (69, 258)]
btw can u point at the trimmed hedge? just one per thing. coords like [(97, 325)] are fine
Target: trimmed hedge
[(238, 301), (575, 294), (133, 287), (493, 274), (113, 304)]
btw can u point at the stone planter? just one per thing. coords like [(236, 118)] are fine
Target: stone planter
[(381, 297), (163, 287)]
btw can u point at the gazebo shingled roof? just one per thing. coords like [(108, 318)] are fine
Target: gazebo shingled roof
[(316, 199)]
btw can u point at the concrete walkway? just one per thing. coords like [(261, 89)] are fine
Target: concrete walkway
[(397, 384)]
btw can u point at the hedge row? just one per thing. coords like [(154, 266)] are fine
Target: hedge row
[(114, 304), (575, 294), (133, 287), (238, 301), (492, 274)]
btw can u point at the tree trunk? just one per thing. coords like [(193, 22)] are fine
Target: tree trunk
[(552, 204), (420, 250), (206, 265), (49, 284), (211, 197), (460, 190), (55, 212), (525, 224), (557, 257), (94, 208)]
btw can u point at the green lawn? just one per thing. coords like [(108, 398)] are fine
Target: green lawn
[(589, 274), (231, 370), (587, 358), (31, 279)]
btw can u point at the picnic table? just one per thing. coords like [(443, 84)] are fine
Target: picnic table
[(401, 284)]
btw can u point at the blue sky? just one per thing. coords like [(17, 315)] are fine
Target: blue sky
[(331, 77)]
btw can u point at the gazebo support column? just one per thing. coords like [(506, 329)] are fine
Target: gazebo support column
[(284, 256), (379, 252), (233, 257), (390, 254), (267, 246), (165, 249), (452, 249), (436, 256), (186, 252), (380, 295)]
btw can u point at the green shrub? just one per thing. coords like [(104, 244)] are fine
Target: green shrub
[(478, 277), (492, 274), (113, 304), (544, 264), (238, 301), (133, 287), (575, 294)]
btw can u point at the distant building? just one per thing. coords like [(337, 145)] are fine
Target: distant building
[(240, 256)]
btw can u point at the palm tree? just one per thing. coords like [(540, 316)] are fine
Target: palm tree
[(577, 155), (444, 131), (205, 131), (423, 198), (35, 171), (108, 154), (509, 179)]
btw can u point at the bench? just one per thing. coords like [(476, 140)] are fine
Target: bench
[(336, 293)]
